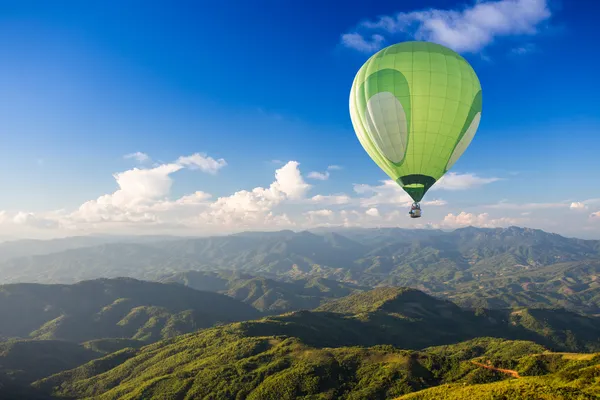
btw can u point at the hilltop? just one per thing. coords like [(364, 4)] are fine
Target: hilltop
[(350, 353), (265, 294), (112, 308)]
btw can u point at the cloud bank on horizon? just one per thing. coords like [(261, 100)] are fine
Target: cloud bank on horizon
[(466, 30), (142, 202)]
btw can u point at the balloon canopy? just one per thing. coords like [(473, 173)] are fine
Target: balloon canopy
[(415, 107)]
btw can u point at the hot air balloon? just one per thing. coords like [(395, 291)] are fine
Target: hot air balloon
[(415, 107)]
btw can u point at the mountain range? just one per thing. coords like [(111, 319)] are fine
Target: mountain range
[(112, 308), (349, 348), (326, 314), (475, 267)]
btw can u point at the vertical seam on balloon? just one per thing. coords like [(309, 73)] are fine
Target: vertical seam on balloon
[(456, 116), (428, 166), (412, 107), (371, 148), (404, 140), (442, 166)]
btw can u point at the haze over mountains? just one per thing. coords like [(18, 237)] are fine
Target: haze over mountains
[(473, 266)]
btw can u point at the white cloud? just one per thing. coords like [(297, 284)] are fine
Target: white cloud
[(252, 208), (331, 199), (202, 162), (144, 191), (138, 156), (289, 181), (319, 213), (595, 214), (30, 219), (387, 193), (578, 206), (469, 29), (321, 176), (359, 42), (198, 198), (522, 50), (503, 205), (454, 181), (142, 202), (482, 220), (434, 203), (373, 212)]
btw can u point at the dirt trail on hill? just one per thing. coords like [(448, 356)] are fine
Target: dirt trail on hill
[(510, 372)]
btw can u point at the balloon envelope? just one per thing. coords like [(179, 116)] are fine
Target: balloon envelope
[(415, 107)]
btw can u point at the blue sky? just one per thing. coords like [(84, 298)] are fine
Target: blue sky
[(218, 97)]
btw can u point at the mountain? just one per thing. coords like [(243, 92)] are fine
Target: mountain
[(30, 360), (11, 248), (25, 361), (495, 267), (349, 349), (264, 294), (112, 308), (571, 285)]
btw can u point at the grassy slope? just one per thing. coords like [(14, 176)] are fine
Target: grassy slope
[(323, 354)]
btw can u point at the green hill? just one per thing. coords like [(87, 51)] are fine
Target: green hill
[(112, 308), (220, 364), (267, 295), (346, 349), (24, 361)]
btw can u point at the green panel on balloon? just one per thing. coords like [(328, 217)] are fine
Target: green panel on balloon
[(415, 107)]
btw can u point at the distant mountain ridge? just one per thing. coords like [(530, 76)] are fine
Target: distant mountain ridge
[(477, 267), (267, 295)]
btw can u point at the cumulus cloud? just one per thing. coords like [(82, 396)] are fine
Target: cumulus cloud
[(202, 162), (482, 220), (387, 193), (249, 208), (30, 219), (361, 43), (454, 181), (144, 191), (469, 29), (316, 214), (331, 199), (578, 205), (373, 212), (434, 203), (138, 156), (321, 176), (142, 201)]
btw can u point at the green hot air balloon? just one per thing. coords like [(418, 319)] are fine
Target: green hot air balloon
[(415, 107)]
